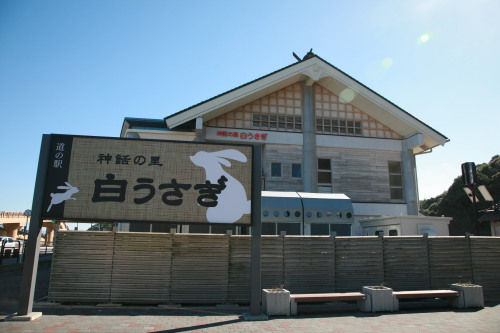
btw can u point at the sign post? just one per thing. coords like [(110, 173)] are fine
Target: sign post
[(30, 264), (255, 283)]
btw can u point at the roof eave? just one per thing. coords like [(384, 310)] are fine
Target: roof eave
[(316, 69)]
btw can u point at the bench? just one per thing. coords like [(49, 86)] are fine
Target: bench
[(421, 294), (329, 297), (371, 303)]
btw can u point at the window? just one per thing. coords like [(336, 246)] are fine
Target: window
[(320, 229), (276, 228), (211, 229), (268, 228), (336, 126), (291, 229), (341, 229), (326, 229), (275, 122), (296, 170), (199, 228), (324, 175), (275, 169), (395, 180), (140, 227)]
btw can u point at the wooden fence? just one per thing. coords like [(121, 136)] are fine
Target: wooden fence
[(159, 268)]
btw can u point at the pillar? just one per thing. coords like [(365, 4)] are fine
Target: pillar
[(12, 229), (409, 170), (309, 156)]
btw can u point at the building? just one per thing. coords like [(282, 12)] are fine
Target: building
[(321, 131), (406, 225)]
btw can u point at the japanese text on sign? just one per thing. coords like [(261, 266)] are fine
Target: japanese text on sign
[(243, 135)]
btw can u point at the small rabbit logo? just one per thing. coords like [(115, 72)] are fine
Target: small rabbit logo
[(57, 198), (232, 201)]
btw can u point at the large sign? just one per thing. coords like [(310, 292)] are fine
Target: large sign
[(128, 180)]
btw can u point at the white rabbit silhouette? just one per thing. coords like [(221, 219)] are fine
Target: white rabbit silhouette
[(232, 202), (57, 198)]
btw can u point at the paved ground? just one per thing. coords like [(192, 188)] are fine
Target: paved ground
[(135, 319), (417, 317)]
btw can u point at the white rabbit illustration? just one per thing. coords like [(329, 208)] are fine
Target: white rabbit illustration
[(232, 202), (57, 198)]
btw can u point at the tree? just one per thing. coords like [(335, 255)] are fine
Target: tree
[(455, 203)]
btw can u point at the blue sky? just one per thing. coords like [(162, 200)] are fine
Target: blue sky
[(80, 67)]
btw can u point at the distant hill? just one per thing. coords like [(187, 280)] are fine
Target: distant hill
[(455, 203)]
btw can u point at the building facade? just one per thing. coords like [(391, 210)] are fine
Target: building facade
[(320, 130)]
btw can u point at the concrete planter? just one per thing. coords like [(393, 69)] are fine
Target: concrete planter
[(276, 302), (471, 296), (379, 299)]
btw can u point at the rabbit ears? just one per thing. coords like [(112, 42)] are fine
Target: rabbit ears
[(67, 187), (231, 154)]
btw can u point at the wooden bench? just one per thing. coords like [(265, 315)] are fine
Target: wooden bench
[(416, 294), (329, 297), (421, 294)]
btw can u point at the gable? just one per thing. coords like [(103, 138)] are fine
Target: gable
[(315, 70), (282, 111)]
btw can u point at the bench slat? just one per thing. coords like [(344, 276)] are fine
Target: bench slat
[(305, 298), (415, 294)]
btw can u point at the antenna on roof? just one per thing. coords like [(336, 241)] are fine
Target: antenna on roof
[(296, 56)]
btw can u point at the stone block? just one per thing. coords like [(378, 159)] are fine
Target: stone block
[(276, 302), (382, 298), (471, 296)]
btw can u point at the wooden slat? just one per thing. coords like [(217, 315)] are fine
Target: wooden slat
[(309, 264), (330, 297), (406, 263), (449, 261), (419, 294), (81, 267), (358, 262), (199, 268), (141, 268), (272, 270), (486, 265), (160, 268), (239, 269)]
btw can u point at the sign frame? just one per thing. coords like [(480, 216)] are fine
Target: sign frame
[(211, 158)]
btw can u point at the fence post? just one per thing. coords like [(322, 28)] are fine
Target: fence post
[(333, 235), (381, 236), (229, 233), (426, 238), (468, 239), (283, 268)]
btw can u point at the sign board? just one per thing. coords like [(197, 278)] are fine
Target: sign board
[(130, 180)]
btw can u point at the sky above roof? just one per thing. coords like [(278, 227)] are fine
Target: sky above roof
[(81, 67)]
